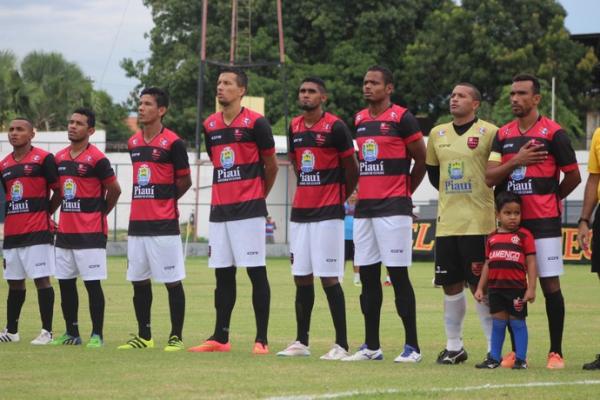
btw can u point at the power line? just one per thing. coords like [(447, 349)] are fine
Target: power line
[(112, 47)]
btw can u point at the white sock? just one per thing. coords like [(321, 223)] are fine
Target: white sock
[(455, 308), (356, 277), (485, 318)]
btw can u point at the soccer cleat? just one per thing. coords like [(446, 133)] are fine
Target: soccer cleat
[(593, 365), (295, 349), (174, 344), (211, 346), (520, 364), (337, 352), (43, 339), (488, 363), (555, 361), (447, 357), (95, 342), (260, 348), (137, 342), (7, 337), (364, 354), (66, 339), (508, 360), (409, 355)]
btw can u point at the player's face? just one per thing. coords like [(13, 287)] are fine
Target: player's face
[(374, 88), (522, 99), (20, 133), (78, 128), (228, 90), (462, 102), (310, 96), (149, 111), (509, 216)]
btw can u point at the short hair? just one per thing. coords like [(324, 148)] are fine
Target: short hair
[(24, 119), (476, 92), (161, 96), (316, 80), (91, 116), (240, 76), (388, 77), (531, 78), (504, 198)]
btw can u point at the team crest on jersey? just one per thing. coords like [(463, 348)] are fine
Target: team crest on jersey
[(307, 163), (237, 134), (515, 239), (155, 154), (518, 173), (144, 175), (69, 189), (518, 304), (370, 150), (227, 157), (16, 191), (456, 169), (320, 139), (211, 124), (384, 128), (27, 169), (472, 142), (81, 169), (544, 131), (482, 130), (442, 133), (246, 121)]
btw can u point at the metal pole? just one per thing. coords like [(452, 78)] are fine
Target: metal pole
[(233, 32), (115, 209), (200, 85), (553, 97)]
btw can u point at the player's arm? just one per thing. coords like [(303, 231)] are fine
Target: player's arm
[(497, 172), (350, 165), (531, 278), (432, 163), (55, 200), (182, 184), (342, 138), (483, 281), (181, 165), (266, 147), (433, 173), (291, 153), (417, 151), (569, 182), (50, 171), (271, 169), (113, 191), (590, 199)]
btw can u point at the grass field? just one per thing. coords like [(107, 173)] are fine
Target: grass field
[(76, 372)]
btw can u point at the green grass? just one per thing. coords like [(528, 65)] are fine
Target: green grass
[(67, 372)]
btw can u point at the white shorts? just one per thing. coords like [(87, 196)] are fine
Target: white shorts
[(90, 264), (240, 243), (156, 257), (383, 239), (548, 255), (317, 248), (32, 262)]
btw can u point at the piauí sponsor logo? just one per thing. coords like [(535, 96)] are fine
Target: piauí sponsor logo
[(456, 184), (518, 173), (307, 162), (370, 150), (69, 189), (456, 169), (517, 184), (144, 175), (16, 191), (227, 157)]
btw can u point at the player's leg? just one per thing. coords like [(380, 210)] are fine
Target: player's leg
[(406, 308), (499, 324), (177, 312), (15, 275), (595, 364), (66, 273), (39, 263), (96, 308), (261, 303)]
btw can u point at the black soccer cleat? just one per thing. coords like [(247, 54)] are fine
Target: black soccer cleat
[(488, 363), (452, 357), (519, 364), (593, 365)]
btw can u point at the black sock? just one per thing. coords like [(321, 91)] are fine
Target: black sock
[(46, 306), (96, 300), (512, 339), (14, 303), (69, 302), (405, 304), (337, 307), (177, 308), (555, 310), (261, 301), (142, 303), (305, 300), (371, 298), (225, 295)]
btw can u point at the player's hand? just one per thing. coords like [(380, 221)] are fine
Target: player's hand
[(583, 235), (478, 295), (529, 295), (531, 153)]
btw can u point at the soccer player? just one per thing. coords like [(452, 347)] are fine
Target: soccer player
[(89, 190), (240, 144), (322, 153), (389, 138), (590, 200), (527, 157), (161, 175), (349, 207), (28, 174), (457, 153)]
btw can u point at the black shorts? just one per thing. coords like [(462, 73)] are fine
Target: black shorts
[(348, 250), (596, 242), (459, 259), (509, 300)]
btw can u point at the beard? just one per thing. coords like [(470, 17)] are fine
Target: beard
[(224, 103), (308, 107)]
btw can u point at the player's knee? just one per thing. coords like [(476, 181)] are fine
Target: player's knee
[(42, 283)]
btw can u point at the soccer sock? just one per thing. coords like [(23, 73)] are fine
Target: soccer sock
[(512, 339), (405, 304), (225, 295), (142, 303), (519, 328), (261, 301), (69, 303), (371, 298), (455, 307), (46, 306), (483, 310), (337, 307), (555, 310), (305, 299), (96, 300), (177, 309), (14, 303), (498, 335)]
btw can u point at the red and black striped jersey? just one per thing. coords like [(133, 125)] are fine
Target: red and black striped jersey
[(27, 185), (537, 184), (82, 223), (384, 180), (156, 167), (317, 152), (238, 187), (506, 253)]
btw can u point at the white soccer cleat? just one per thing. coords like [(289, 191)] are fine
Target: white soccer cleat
[(409, 355), (6, 337), (44, 338), (337, 352), (295, 349), (365, 354)]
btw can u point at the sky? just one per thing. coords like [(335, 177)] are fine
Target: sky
[(98, 34)]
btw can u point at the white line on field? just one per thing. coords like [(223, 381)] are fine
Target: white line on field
[(432, 390)]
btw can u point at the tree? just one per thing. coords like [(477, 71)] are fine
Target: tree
[(13, 100), (110, 117)]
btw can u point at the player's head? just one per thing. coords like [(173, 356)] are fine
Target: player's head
[(524, 95), (154, 103), (464, 100), (378, 84), (232, 85), (508, 210), (312, 93), (81, 125), (20, 132)]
